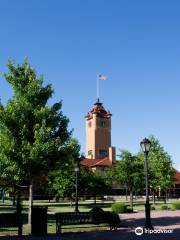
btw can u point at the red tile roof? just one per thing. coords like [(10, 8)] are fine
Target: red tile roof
[(177, 177), (89, 162), (99, 110)]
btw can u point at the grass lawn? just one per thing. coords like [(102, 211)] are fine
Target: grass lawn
[(84, 206), (54, 207)]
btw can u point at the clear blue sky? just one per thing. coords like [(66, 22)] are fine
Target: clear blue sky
[(135, 43)]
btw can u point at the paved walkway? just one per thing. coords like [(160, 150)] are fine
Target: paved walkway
[(161, 220)]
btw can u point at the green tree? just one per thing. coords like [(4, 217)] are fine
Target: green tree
[(98, 183), (34, 138), (89, 183), (62, 180), (128, 172), (160, 167)]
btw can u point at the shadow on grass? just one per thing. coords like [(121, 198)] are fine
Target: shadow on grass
[(92, 205), (7, 209)]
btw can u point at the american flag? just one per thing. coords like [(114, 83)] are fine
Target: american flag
[(102, 77)]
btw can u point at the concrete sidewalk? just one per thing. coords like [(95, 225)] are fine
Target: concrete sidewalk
[(122, 234), (161, 220)]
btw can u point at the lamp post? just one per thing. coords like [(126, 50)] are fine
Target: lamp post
[(76, 169), (145, 145)]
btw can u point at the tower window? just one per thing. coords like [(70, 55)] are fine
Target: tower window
[(102, 124), (89, 152), (103, 153)]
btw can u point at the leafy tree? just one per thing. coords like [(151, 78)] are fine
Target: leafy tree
[(128, 172), (34, 138), (98, 183), (62, 180), (160, 167), (89, 183)]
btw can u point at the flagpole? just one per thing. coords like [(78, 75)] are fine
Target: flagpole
[(97, 79)]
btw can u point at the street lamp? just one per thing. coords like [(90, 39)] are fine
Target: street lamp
[(145, 145), (76, 169)]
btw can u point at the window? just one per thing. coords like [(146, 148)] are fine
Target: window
[(103, 153), (102, 124), (90, 152), (89, 124)]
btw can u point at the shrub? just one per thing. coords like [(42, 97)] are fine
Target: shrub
[(129, 210), (176, 205), (113, 220), (164, 207), (97, 214), (153, 208), (97, 210), (119, 208)]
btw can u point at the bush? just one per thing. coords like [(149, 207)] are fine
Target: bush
[(176, 205), (113, 220), (153, 207), (164, 207), (129, 210), (97, 214), (97, 210), (119, 208)]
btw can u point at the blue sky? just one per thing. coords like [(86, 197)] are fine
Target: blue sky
[(135, 43)]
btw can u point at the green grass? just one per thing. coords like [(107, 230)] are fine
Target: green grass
[(84, 206)]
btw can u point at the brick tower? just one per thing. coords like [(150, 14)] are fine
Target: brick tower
[(98, 137)]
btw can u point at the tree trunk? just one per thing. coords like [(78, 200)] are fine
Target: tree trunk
[(135, 196), (3, 197), (71, 202), (131, 199), (14, 197), (30, 202), (19, 212), (154, 197), (167, 195), (126, 194)]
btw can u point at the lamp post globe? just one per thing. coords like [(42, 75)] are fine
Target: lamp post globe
[(146, 145)]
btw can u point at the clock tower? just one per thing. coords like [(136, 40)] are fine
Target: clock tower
[(98, 134)]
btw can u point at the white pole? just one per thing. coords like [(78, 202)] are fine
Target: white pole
[(97, 79)]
